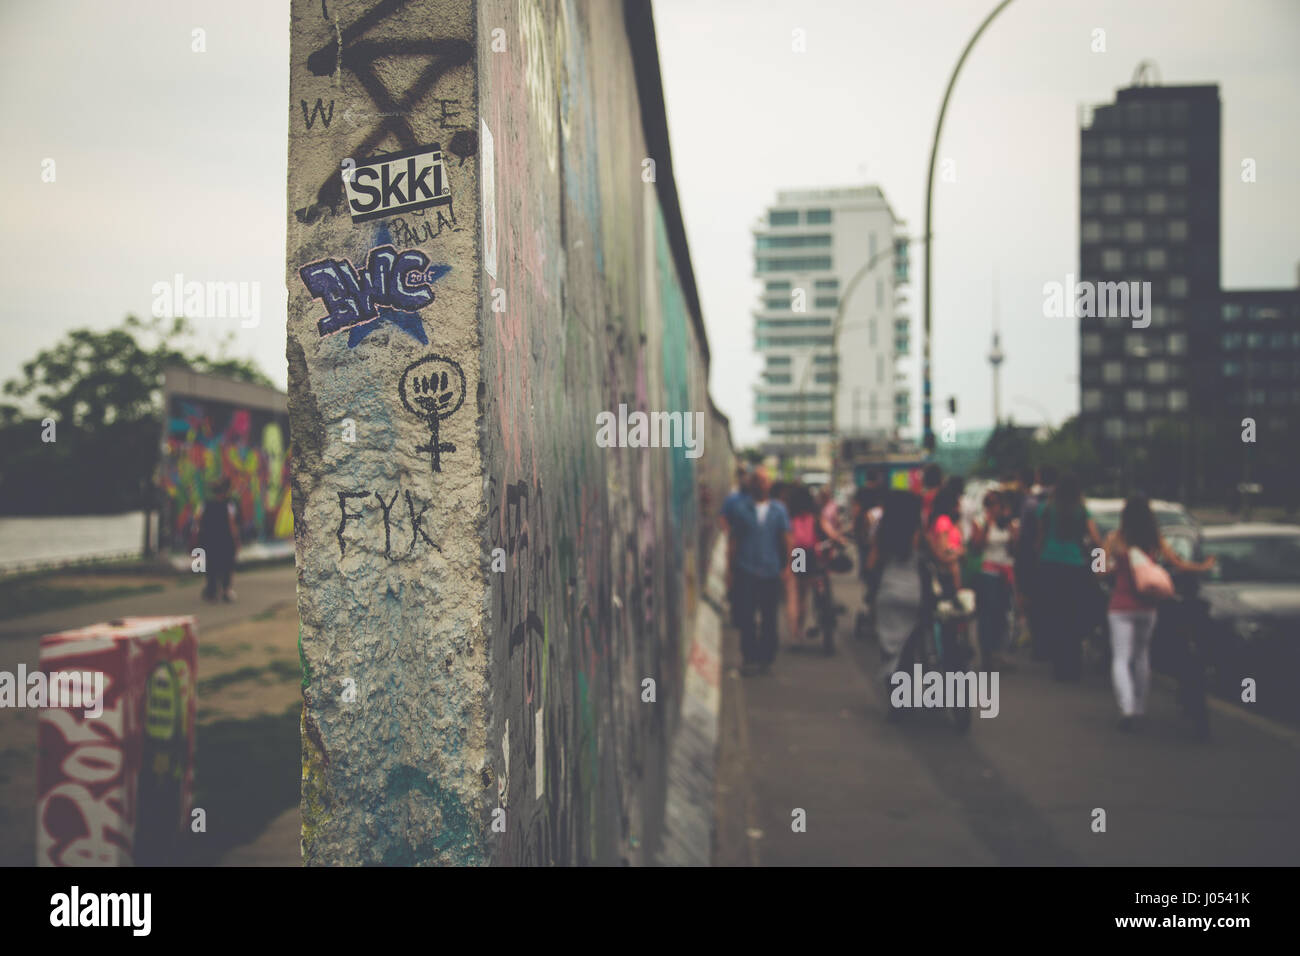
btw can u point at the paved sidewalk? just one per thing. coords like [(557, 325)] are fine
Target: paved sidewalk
[(1020, 788)]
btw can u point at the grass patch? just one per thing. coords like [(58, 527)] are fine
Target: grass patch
[(224, 650), (246, 773), (19, 597), (281, 670)]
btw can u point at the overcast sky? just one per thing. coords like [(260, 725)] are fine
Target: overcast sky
[(172, 161)]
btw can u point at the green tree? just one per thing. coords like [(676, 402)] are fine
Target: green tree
[(1007, 451), (103, 391)]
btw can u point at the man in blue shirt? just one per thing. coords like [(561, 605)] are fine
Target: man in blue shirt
[(761, 529), (743, 478)]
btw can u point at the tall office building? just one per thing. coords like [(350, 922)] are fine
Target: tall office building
[(1181, 389), (813, 251), (1149, 212)]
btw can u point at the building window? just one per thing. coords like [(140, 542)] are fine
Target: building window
[(1135, 343), (1177, 400), (1091, 344), (779, 285), (1114, 428), (1178, 230), (1178, 174), (1112, 146), (1092, 175), (1134, 400), (1112, 260), (1112, 204), (871, 332), (1092, 230), (793, 242), (794, 264), (1177, 343), (826, 302), (1134, 230), (775, 218), (1178, 147), (776, 378), (1157, 373), (1231, 340), (1133, 175), (1178, 287), (1092, 400), (1156, 259), (825, 285), (1156, 203), (1231, 311), (1112, 373), (818, 217), (880, 293)]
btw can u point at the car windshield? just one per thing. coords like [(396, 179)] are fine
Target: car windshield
[(1262, 558)]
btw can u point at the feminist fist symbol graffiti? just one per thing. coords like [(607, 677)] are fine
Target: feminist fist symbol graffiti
[(432, 389)]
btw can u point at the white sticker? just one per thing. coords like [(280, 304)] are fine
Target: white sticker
[(397, 182), (541, 758), (488, 184)]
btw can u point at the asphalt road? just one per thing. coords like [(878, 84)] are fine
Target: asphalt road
[(1020, 788)]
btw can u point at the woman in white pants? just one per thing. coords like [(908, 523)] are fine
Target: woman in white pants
[(1132, 616)]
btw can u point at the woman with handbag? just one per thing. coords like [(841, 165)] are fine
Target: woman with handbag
[(1140, 584)]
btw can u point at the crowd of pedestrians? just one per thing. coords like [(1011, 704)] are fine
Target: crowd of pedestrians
[(1031, 554)]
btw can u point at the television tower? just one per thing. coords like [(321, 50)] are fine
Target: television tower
[(995, 359)]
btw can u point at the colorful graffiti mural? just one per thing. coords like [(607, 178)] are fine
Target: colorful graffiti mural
[(206, 441)]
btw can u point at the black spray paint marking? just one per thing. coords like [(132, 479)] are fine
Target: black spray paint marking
[(432, 393), (417, 520), (345, 515), (463, 144), (319, 111), (360, 55)]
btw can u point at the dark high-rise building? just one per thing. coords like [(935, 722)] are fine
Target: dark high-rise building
[(1149, 212), (1166, 403)]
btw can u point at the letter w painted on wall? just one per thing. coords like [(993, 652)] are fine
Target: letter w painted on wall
[(393, 287)]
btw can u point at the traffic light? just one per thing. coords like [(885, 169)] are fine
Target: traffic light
[(952, 405)]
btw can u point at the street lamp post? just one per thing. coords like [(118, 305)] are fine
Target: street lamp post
[(926, 424)]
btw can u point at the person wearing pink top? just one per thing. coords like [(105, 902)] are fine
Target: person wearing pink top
[(1132, 615)]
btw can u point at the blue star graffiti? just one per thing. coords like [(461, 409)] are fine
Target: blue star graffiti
[(391, 287)]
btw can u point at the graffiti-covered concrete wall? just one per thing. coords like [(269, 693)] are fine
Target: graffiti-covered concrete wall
[(489, 285), (217, 430)]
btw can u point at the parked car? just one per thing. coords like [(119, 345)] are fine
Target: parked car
[(1253, 605)]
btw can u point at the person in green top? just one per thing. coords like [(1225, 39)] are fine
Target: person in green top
[(1066, 536)]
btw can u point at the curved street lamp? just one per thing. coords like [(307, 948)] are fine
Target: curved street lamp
[(926, 424)]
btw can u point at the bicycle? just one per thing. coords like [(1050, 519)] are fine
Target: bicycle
[(942, 641), (830, 557)]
